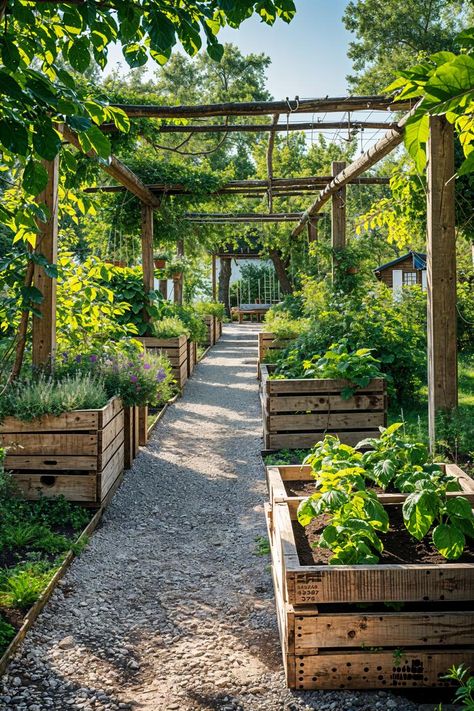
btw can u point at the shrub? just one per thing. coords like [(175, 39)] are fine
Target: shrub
[(210, 308), (169, 327), (283, 325), (194, 324)]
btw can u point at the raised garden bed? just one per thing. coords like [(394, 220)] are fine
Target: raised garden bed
[(79, 454), (297, 413), (217, 329), (267, 342), (192, 357), (330, 642), (290, 484), (211, 333), (176, 350)]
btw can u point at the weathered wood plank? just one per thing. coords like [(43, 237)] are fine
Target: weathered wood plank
[(326, 421), (301, 440), (331, 403), (48, 444), (82, 488)]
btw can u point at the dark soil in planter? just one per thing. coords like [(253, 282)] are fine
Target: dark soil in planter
[(399, 546)]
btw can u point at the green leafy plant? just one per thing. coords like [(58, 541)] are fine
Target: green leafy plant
[(342, 473), (358, 367), (263, 545), (169, 327), (465, 693), (210, 308), (7, 632), (20, 587)]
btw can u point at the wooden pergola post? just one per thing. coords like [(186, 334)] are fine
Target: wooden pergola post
[(148, 266), (214, 278), (44, 326), (178, 283), (338, 214), (441, 273), (312, 232)]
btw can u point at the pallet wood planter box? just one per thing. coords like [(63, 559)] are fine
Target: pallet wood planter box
[(217, 329), (131, 435), (298, 413), (78, 454), (267, 342), (175, 349), (192, 357), (328, 643), (281, 481), (211, 334)]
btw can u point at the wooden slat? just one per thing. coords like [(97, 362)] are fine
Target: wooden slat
[(389, 629), (111, 430), (113, 407), (338, 212), (143, 425), (378, 669), (128, 437), (300, 440), (110, 473), (72, 421), (48, 444), (52, 463), (313, 387), (330, 403), (81, 488), (377, 583), (326, 421)]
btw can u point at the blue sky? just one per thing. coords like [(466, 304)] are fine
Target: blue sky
[(309, 56)]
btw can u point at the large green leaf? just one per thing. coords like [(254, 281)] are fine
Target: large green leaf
[(135, 55), (46, 141), (416, 136), (449, 540), (10, 54), (35, 177), (419, 512), (13, 136), (79, 54), (94, 139), (453, 81)]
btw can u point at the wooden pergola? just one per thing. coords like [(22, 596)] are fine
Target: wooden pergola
[(441, 253)]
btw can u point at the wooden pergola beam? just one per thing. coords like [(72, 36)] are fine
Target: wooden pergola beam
[(265, 127), (246, 186), (373, 155), (262, 108), (119, 172), (220, 218), (338, 216)]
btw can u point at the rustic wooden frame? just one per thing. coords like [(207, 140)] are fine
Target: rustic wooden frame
[(297, 413), (277, 476), (175, 349)]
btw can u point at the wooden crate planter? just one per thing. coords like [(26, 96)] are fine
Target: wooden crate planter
[(280, 478), (78, 454), (192, 357), (217, 329), (131, 435), (211, 334), (176, 350), (268, 342), (298, 413), (328, 643)]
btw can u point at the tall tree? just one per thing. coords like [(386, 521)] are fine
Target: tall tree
[(391, 36)]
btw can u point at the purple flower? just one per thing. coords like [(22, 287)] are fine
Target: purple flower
[(64, 355), (133, 378), (160, 376), (78, 358), (93, 358), (147, 366)]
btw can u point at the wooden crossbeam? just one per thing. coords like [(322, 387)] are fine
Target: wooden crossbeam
[(265, 127), (247, 186), (383, 147), (118, 171), (262, 108), (219, 218)]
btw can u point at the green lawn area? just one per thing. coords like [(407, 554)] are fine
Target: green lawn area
[(455, 437)]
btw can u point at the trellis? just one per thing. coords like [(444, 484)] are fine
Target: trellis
[(441, 254)]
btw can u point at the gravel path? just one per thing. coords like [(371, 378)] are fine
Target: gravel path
[(170, 608)]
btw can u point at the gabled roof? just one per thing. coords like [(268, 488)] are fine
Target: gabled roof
[(419, 261)]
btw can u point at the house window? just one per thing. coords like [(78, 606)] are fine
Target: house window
[(409, 278)]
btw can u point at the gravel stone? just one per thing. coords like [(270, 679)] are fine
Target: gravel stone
[(169, 607)]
